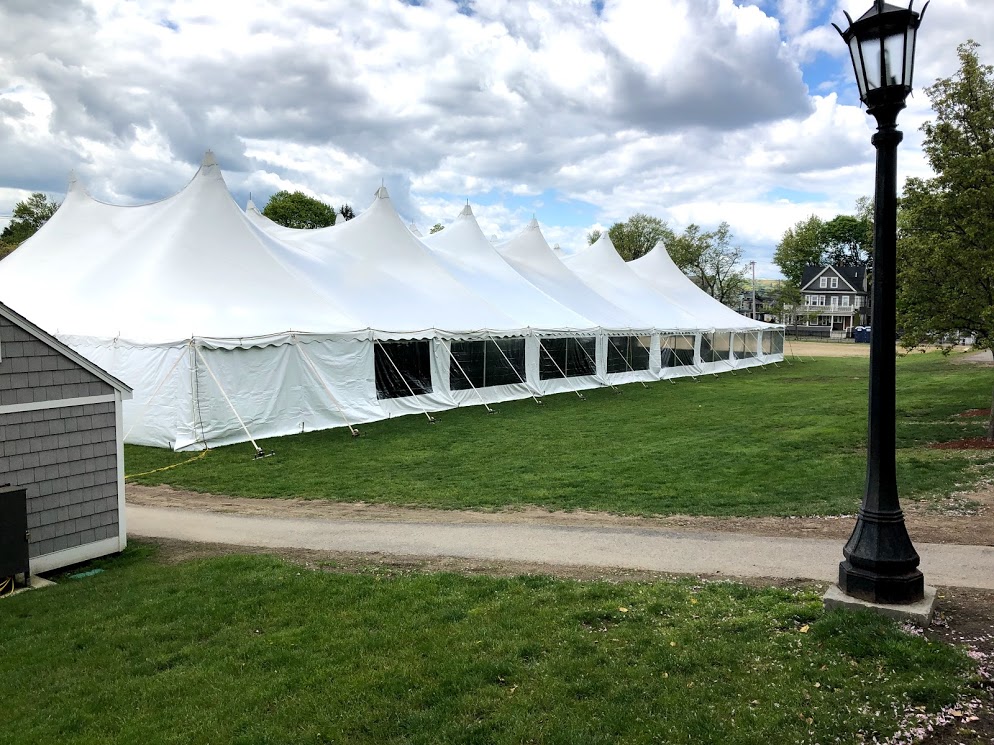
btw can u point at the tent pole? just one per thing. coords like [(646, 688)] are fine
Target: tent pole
[(534, 397), (541, 347), (259, 452), (431, 419), (195, 390), (478, 394), (352, 430), (630, 368)]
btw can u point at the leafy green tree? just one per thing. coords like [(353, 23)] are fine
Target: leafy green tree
[(638, 235), (847, 240), (346, 212), (297, 210), (785, 300), (436, 228), (27, 217), (593, 236), (946, 223), (710, 259), (800, 246)]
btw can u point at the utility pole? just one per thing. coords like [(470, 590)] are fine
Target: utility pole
[(753, 265)]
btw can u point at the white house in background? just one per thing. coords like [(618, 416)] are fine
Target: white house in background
[(835, 298)]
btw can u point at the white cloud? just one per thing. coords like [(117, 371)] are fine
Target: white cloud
[(693, 110)]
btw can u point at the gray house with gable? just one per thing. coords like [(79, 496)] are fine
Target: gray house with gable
[(835, 298), (60, 440)]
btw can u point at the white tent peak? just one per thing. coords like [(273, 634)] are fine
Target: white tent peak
[(532, 224), (414, 229), (466, 211), (74, 185), (250, 206), (209, 159), (382, 193), (604, 241)]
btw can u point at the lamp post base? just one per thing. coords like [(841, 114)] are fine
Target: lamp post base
[(892, 589), (919, 613)]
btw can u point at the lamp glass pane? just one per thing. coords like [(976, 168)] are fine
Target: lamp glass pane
[(857, 64), (894, 59), (872, 52), (909, 56)]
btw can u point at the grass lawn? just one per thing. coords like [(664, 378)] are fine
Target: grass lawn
[(787, 441), (250, 649)]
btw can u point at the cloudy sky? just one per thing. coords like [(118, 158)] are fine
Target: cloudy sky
[(580, 112)]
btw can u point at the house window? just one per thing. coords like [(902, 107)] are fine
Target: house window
[(835, 300), (835, 283), (845, 300), (823, 282), (858, 302)]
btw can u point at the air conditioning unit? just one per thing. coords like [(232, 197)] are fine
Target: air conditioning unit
[(14, 534)]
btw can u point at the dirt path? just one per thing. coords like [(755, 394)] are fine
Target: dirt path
[(966, 520)]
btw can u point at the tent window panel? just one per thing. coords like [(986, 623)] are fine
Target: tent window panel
[(574, 357), (746, 346), (626, 353), (768, 343), (471, 356), (707, 348), (778, 342), (413, 361), (676, 351), (498, 372), (715, 347)]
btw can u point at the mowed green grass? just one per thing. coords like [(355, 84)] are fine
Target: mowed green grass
[(780, 441), (250, 649)]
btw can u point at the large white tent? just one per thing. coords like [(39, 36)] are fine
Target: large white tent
[(232, 328)]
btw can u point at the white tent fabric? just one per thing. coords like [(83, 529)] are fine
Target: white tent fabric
[(533, 258), (601, 267), (231, 328)]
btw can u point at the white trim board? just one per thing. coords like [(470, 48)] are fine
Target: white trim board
[(75, 555), (61, 403)]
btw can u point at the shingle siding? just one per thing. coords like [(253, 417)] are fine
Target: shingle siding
[(34, 372), (67, 459)]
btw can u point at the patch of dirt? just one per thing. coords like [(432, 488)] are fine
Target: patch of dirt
[(969, 443), (966, 519), (849, 348), (966, 617), (975, 412)]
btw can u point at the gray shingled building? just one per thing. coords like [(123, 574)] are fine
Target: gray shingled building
[(61, 440)]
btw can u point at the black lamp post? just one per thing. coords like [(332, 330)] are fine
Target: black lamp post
[(881, 564)]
